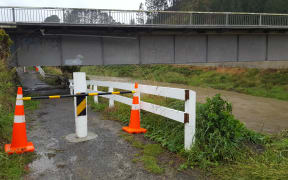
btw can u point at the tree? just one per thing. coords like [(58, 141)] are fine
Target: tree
[(52, 19), (140, 14), (260, 6), (156, 5), (88, 16)]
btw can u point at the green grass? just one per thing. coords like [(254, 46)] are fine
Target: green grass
[(31, 105), (266, 83), (52, 70), (224, 147), (150, 164), (270, 164), (148, 155), (54, 79)]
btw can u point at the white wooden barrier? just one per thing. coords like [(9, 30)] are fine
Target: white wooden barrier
[(80, 121), (41, 71), (188, 117)]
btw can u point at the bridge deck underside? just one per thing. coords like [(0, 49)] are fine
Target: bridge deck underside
[(56, 51), (64, 46)]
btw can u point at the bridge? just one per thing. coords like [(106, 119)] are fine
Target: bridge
[(65, 36)]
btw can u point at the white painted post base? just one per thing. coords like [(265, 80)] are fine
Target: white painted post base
[(82, 134), (95, 88), (80, 86), (111, 99), (189, 129)]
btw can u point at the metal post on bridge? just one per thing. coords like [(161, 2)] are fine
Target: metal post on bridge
[(13, 15), (227, 19)]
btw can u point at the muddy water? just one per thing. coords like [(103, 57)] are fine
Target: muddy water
[(261, 114)]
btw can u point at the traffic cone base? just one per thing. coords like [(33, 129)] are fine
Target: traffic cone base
[(134, 124), (134, 131), (19, 150), (19, 142)]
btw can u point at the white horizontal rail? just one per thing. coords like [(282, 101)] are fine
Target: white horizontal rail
[(122, 99), (163, 111), (163, 91), (175, 93), (188, 117), (117, 85), (41, 71)]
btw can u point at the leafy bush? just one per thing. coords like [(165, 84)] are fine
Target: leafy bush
[(219, 136), (70, 69), (5, 43)]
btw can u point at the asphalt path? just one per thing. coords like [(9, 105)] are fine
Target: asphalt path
[(106, 157)]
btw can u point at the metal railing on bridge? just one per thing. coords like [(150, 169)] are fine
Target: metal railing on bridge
[(11, 15)]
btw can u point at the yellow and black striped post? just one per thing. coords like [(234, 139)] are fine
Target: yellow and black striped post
[(81, 106)]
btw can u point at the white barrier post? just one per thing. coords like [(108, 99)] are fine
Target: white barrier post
[(111, 99), (95, 88), (190, 118), (80, 86), (71, 88), (41, 71)]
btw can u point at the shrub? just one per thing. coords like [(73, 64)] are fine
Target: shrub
[(5, 43), (70, 69), (219, 136)]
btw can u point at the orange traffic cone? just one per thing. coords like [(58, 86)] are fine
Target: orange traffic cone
[(19, 139), (134, 124)]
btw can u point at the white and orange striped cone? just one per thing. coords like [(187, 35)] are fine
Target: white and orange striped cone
[(134, 124), (19, 142)]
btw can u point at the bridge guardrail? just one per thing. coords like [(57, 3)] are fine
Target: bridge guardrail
[(188, 117), (12, 15)]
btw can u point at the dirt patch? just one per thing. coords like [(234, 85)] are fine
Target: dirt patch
[(226, 70)]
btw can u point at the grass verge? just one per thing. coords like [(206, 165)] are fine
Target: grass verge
[(224, 147), (53, 74), (13, 166), (148, 155), (270, 83)]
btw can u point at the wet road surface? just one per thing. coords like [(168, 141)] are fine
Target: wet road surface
[(32, 84), (106, 157)]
